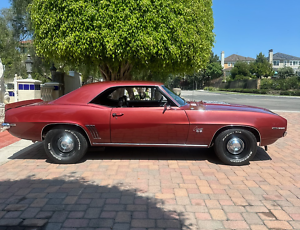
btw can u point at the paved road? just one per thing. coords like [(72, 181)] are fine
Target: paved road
[(269, 102)]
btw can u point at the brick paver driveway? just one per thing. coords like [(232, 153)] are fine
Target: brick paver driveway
[(149, 188)]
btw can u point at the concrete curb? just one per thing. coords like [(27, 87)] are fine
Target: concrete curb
[(14, 150)]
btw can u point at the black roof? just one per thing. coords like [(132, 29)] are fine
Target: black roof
[(281, 56)]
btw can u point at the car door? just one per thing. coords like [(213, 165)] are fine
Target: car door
[(149, 125)]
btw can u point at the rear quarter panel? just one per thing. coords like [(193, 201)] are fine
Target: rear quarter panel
[(30, 120)]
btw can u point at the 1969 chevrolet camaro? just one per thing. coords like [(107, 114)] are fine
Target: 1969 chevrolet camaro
[(137, 113)]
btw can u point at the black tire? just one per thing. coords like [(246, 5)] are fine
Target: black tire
[(59, 152), (246, 146)]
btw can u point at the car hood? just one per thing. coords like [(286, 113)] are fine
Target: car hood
[(223, 106)]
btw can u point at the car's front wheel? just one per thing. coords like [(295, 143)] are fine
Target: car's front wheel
[(235, 146), (64, 146)]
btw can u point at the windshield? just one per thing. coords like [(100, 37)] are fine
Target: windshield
[(178, 99)]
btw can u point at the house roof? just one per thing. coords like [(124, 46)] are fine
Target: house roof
[(281, 56), (235, 57)]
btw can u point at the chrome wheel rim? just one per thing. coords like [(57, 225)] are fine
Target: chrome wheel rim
[(65, 144), (235, 146)]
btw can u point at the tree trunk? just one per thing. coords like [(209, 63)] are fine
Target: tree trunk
[(121, 73)]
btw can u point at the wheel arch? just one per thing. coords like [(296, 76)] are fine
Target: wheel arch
[(253, 130), (76, 127)]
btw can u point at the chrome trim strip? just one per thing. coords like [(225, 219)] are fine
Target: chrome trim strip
[(139, 144), (66, 124), (5, 126), (278, 127), (233, 127)]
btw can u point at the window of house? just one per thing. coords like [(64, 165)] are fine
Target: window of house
[(276, 62), (233, 64), (295, 62), (285, 63), (291, 62), (229, 64)]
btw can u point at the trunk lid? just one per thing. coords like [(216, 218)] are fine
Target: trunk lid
[(22, 103)]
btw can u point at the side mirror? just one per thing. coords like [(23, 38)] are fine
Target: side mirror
[(166, 105)]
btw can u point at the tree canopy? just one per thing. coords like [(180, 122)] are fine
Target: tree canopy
[(286, 72), (16, 44), (169, 36), (9, 54), (213, 69), (257, 69), (261, 67), (20, 19), (241, 70), (198, 79)]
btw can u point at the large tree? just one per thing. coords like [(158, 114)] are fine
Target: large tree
[(9, 52), (21, 22), (15, 43), (241, 70), (261, 67), (171, 36), (286, 72), (214, 68)]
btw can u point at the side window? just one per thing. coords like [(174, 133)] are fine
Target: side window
[(131, 97), (139, 93)]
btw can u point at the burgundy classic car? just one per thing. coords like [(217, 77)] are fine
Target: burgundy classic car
[(141, 114)]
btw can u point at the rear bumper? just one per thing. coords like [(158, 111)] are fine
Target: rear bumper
[(5, 126)]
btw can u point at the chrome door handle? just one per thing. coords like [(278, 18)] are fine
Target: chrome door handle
[(117, 115)]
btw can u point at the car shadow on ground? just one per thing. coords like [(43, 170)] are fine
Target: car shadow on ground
[(261, 155), (72, 202), (37, 151)]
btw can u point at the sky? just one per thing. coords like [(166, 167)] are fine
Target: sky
[(248, 27), (4, 4)]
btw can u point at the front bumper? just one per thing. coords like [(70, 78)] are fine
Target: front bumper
[(5, 126)]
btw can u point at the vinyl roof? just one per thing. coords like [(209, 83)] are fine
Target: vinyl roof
[(86, 93)]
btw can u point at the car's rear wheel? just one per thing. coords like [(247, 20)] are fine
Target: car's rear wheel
[(64, 146), (235, 146)]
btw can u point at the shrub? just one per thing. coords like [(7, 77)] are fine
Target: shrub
[(210, 88), (285, 92), (266, 83), (280, 84), (290, 93), (258, 91)]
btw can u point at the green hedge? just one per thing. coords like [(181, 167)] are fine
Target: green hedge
[(210, 88), (290, 93), (258, 91), (280, 84)]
